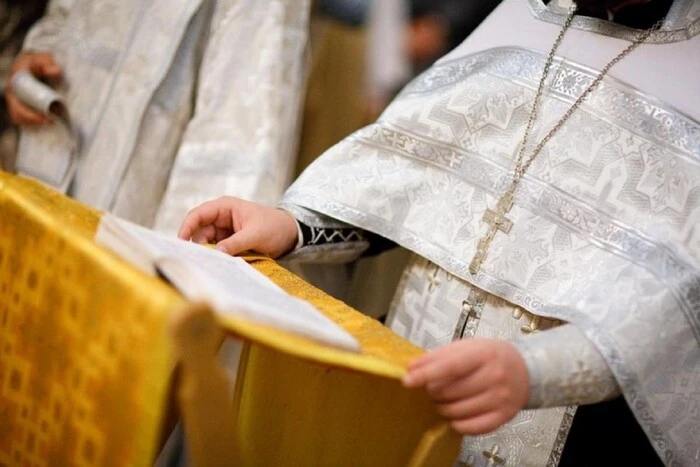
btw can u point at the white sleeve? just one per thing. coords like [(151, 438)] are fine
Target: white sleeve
[(565, 369), (44, 35)]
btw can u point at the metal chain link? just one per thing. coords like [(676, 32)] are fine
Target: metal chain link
[(522, 166)]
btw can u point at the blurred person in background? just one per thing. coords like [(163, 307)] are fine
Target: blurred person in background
[(405, 36), (439, 26), (171, 101), (16, 16)]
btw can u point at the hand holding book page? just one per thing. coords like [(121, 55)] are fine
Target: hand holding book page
[(230, 285)]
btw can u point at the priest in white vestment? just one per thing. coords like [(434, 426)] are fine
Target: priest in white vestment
[(580, 285), (171, 102)]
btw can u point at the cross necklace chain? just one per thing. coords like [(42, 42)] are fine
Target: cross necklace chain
[(496, 219)]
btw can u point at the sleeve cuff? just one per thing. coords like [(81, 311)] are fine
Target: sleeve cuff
[(300, 237), (565, 368)]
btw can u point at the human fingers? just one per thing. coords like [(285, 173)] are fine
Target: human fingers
[(206, 234), (450, 390), (449, 362), (423, 360), (211, 234), (205, 214), (243, 240), (480, 424), (469, 406), (21, 114), (466, 346), (44, 65), (222, 234)]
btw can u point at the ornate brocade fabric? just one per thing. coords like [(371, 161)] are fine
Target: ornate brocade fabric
[(85, 359), (604, 233), (433, 308)]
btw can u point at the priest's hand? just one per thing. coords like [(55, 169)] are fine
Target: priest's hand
[(43, 66), (477, 384), (236, 226)]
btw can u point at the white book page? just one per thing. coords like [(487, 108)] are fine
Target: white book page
[(235, 288)]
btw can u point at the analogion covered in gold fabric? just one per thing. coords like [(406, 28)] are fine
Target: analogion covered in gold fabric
[(86, 360), (85, 357)]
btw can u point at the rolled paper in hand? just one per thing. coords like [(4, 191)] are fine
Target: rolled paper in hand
[(46, 152), (38, 95)]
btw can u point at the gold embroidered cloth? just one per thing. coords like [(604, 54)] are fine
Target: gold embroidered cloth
[(86, 359)]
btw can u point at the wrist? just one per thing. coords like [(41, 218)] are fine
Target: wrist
[(565, 368), (291, 233), (535, 397), (522, 376)]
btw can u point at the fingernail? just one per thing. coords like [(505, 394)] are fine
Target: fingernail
[(221, 248), (407, 380)]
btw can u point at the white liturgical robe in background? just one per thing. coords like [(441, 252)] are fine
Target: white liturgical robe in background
[(174, 102)]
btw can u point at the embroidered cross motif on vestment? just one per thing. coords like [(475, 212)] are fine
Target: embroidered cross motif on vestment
[(493, 456), (433, 280)]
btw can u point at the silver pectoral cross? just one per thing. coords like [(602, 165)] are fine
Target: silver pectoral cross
[(497, 221)]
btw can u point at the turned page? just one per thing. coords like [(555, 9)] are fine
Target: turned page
[(230, 285)]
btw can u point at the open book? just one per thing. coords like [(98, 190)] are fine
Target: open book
[(229, 285)]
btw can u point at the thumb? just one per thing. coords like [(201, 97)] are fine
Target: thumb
[(244, 239)]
